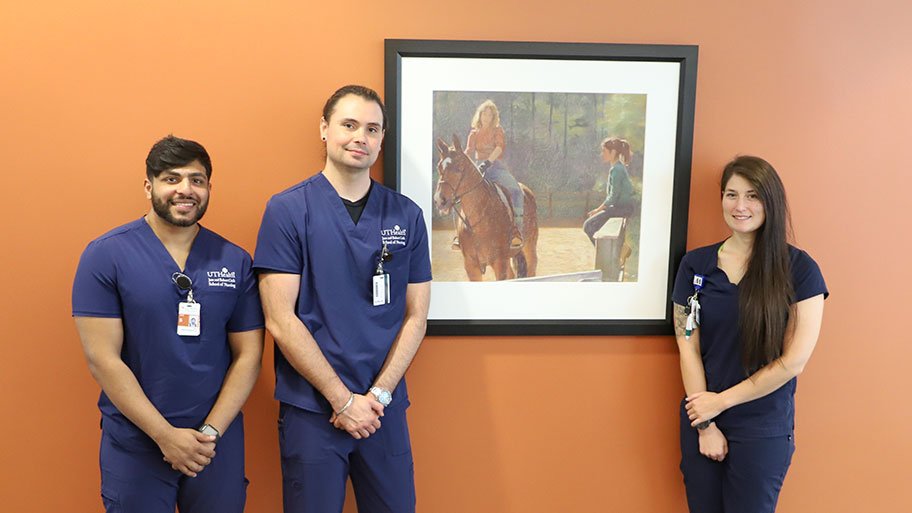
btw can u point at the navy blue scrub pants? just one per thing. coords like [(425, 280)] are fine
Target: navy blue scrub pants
[(748, 480), (317, 459), (142, 482)]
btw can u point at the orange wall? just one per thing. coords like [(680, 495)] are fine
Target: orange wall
[(570, 424)]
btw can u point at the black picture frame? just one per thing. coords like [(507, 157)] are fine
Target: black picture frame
[(677, 63)]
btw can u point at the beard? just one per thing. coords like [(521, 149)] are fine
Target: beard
[(163, 209)]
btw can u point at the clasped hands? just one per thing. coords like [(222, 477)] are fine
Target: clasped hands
[(362, 417), (187, 450), (703, 406)]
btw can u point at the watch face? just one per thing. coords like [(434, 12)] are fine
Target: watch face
[(384, 397)]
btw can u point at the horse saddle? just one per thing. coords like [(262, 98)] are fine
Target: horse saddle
[(502, 194)]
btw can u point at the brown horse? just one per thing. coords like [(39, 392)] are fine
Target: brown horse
[(484, 221)]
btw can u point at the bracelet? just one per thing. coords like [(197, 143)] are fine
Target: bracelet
[(351, 399)]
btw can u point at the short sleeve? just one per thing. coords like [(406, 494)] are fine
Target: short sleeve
[(248, 313), (683, 285), (95, 285), (807, 278), (420, 258), (278, 245)]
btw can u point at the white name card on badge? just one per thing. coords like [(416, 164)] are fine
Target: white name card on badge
[(188, 319)]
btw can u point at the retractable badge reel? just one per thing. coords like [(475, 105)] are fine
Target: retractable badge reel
[(381, 280), (188, 312), (693, 307)]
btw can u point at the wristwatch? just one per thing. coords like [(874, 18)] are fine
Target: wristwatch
[(384, 396), (703, 425), (207, 429)]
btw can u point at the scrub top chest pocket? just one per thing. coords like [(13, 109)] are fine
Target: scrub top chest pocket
[(211, 298), (390, 276)]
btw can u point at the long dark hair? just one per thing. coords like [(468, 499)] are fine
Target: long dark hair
[(766, 292), (619, 145)]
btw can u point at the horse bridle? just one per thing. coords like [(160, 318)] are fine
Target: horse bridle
[(457, 198)]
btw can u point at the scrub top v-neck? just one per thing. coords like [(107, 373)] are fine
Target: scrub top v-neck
[(127, 274), (720, 339), (307, 231), (356, 208)]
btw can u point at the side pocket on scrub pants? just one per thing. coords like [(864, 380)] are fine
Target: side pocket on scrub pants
[(789, 452), (395, 430), (109, 495)]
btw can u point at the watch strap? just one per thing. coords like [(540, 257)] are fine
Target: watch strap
[(383, 396), (209, 429)]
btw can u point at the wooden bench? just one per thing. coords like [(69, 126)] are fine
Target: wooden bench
[(610, 252)]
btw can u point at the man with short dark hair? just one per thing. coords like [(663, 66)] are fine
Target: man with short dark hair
[(345, 278), (170, 321)]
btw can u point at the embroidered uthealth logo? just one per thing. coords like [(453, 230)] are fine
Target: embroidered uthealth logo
[(222, 278), (394, 235)]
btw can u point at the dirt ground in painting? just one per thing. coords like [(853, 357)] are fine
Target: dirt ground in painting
[(560, 250)]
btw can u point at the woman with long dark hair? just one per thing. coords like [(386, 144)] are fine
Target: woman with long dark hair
[(747, 315)]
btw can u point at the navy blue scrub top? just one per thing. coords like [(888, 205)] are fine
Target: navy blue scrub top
[(307, 230), (126, 273), (720, 345)]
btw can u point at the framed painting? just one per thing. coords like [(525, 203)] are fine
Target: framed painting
[(554, 180)]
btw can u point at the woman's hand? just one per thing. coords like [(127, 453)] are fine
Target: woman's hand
[(703, 406), (594, 211), (713, 443)]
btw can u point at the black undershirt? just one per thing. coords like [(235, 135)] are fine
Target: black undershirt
[(356, 208)]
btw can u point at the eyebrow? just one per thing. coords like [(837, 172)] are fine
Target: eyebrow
[(192, 175), (352, 120)]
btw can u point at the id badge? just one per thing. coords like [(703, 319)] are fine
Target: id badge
[(381, 289), (188, 319)]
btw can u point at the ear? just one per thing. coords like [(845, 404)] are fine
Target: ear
[(323, 126), (457, 144), (442, 147), (147, 186)]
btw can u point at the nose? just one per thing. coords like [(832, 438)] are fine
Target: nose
[(184, 186), (361, 135)]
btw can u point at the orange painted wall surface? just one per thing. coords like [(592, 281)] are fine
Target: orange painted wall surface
[(551, 424)]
